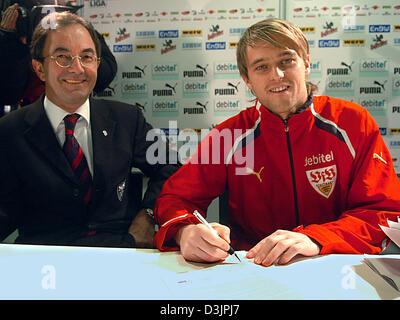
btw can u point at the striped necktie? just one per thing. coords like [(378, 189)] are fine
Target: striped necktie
[(76, 158)]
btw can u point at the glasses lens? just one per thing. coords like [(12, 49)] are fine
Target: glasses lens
[(87, 60), (64, 60)]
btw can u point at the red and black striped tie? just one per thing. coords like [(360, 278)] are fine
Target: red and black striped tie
[(76, 158)]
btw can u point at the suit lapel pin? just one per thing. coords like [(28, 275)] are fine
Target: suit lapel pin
[(105, 133), (120, 190)]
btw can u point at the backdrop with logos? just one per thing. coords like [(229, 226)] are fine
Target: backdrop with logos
[(355, 55), (176, 59)]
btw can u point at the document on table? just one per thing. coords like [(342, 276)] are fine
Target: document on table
[(393, 230), (388, 267), (228, 280)]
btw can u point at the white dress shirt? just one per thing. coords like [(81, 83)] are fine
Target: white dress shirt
[(82, 130)]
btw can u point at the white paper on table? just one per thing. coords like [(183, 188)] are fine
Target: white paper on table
[(393, 234), (228, 280), (393, 224)]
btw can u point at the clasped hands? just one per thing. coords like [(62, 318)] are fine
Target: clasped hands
[(199, 244)]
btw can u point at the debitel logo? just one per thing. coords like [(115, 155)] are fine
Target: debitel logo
[(374, 65)]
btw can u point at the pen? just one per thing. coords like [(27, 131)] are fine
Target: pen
[(204, 221)]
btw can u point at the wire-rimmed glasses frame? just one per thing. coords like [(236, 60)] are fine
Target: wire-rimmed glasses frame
[(66, 60)]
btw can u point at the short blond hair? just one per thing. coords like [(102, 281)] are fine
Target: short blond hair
[(278, 33)]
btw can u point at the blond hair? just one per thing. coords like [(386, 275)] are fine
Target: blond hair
[(278, 33)]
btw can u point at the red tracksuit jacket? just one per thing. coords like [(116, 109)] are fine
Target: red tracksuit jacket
[(325, 172)]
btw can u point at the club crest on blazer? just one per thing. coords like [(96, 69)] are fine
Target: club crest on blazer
[(121, 190)]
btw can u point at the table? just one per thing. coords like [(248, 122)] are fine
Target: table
[(56, 272)]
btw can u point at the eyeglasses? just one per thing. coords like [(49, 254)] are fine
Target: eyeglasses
[(65, 60)]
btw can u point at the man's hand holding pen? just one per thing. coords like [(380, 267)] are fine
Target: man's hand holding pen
[(199, 244), (207, 242)]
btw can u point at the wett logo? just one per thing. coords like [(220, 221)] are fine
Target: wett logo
[(122, 35), (215, 32), (167, 46), (329, 29), (378, 42)]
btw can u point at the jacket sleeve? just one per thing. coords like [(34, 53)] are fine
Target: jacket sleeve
[(373, 197), (193, 187)]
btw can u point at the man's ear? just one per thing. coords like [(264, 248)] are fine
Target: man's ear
[(39, 69), (247, 82), (307, 65)]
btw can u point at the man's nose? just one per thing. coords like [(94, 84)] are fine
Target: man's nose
[(277, 72), (76, 65)]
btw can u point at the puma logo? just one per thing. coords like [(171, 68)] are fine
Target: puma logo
[(257, 174), (379, 157)]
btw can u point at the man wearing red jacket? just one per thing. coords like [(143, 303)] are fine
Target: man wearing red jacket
[(306, 174)]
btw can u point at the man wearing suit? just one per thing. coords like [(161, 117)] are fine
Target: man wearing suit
[(65, 160)]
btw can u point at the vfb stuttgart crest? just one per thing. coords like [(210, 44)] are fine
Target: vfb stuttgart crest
[(323, 180)]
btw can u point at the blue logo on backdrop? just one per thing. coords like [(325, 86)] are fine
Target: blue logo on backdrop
[(122, 48), (333, 43), (215, 45), (168, 33), (379, 28)]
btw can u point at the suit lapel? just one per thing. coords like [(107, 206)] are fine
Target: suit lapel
[(42, 137)]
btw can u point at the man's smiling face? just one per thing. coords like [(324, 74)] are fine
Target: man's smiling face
[(278, 78), (68, 87)]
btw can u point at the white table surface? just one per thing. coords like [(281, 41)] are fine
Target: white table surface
[(51, 272)]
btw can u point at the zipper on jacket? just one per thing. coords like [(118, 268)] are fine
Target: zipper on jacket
[(296, 208)]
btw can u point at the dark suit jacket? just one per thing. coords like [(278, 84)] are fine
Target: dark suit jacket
[(40, 195)]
